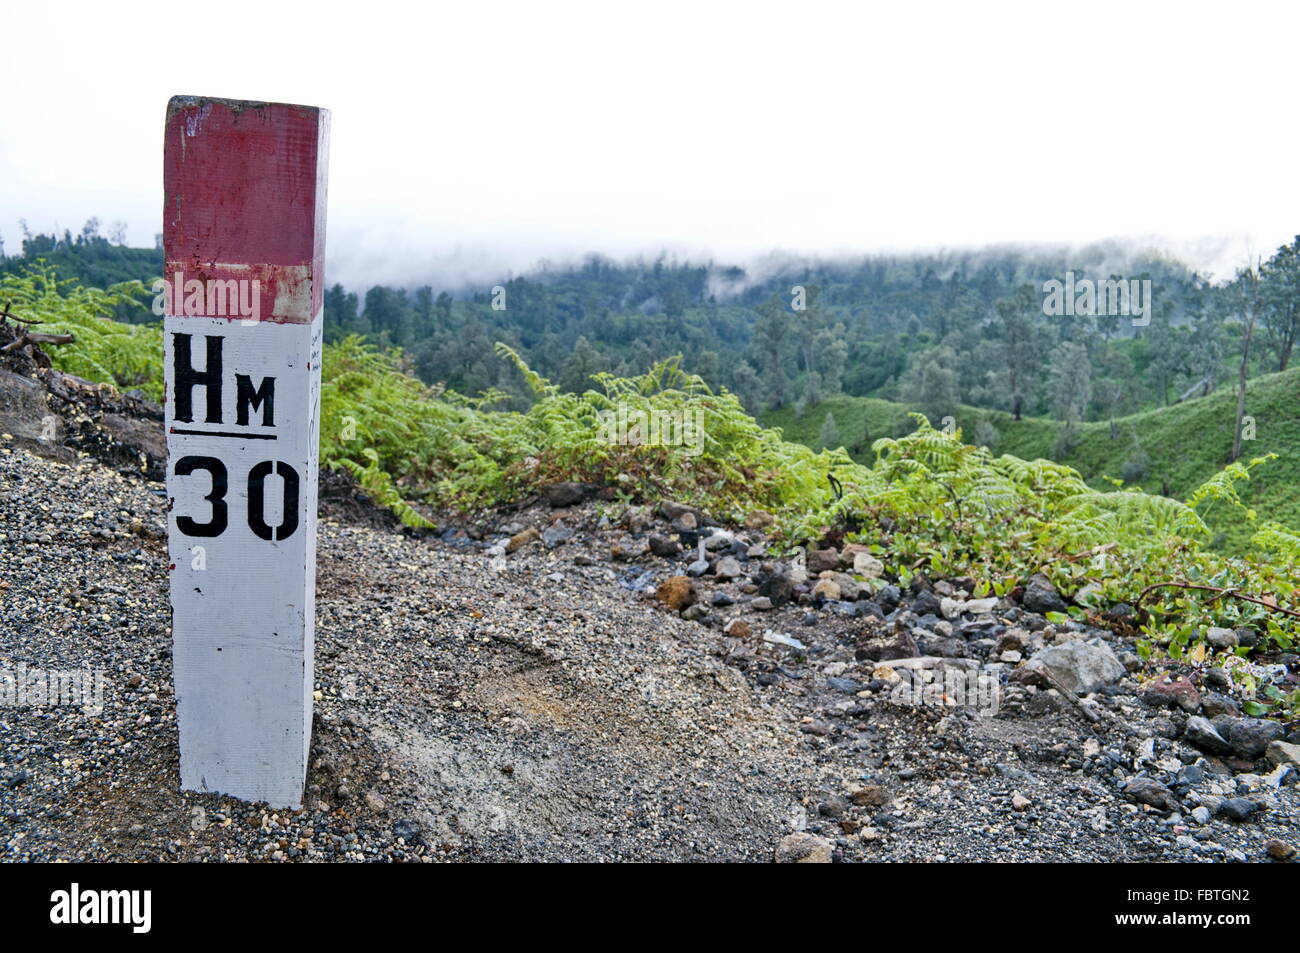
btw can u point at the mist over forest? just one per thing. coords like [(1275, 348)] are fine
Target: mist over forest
[(931, 330)]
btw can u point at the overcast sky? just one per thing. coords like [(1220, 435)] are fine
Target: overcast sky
[(474, 136)]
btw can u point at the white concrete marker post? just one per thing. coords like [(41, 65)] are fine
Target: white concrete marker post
[(244, 239)]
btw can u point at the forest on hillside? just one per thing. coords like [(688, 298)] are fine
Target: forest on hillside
[(428, 454), (930, 330)]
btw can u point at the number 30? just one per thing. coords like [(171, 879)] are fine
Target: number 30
[(256, 498)]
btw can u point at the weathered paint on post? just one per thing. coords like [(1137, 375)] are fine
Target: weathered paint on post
[(244, 242)]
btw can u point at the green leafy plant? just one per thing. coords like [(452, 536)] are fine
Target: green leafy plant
[(926, 503), (128, 356)]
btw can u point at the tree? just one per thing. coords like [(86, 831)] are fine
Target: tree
[(1280, 294), (1106, 322), (771, 337), (931, 384), (423, 323), (1070, 380), (442, 309), (388, 313), (829, 438), (986, 435), (707, 366), (1113, 377), (809, 323), (746, 385), (1246, 291), (833, 355), (341, 318), (1016, 317), (1172, 355), (575, 376)]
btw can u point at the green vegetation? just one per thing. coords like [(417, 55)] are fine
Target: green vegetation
[(926, 502), (933, 331), (94, 261), (106, 351), (1168, 451), (922, 500)]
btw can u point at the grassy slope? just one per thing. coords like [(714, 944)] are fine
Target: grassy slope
[(1186, 443)]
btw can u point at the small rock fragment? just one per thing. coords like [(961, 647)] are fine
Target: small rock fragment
[(1279, 849), (803, 848), (676, 592)]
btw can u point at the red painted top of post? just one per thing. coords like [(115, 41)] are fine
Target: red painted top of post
[(244, 193)]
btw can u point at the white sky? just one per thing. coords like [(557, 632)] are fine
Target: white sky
[(473, 136)]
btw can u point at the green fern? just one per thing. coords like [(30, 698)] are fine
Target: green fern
[(927, 503)]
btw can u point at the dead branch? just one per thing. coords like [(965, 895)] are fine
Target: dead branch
[(36, 337), (7, 315), (1220, 592)]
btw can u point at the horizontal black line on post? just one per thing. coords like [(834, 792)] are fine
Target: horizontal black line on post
[(222, 433)]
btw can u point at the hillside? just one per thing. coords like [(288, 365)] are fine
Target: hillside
[(1186, 444), (928, 505), (610, 650), (935, 328)]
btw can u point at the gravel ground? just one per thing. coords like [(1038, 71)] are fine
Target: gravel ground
[(543, 705)]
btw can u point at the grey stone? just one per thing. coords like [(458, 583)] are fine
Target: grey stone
[(1202, 733), (1144, 790), (664, 546), (1238, 808), (695, 613), (1249, 737), (1281, 752), (1221, 638), (559, 495), (727, 568), (776, 586), (821, 560), (927, 603), (555, 535), (1081, 666), (1041, 596), (718, 539), (888, 598), (1214, 703)]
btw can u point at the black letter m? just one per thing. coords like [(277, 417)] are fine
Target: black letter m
[(261, 399)]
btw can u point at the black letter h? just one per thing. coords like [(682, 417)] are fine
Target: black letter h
[(186, 377)]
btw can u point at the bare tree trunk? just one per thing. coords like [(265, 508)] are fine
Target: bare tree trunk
[(1248, 292)]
